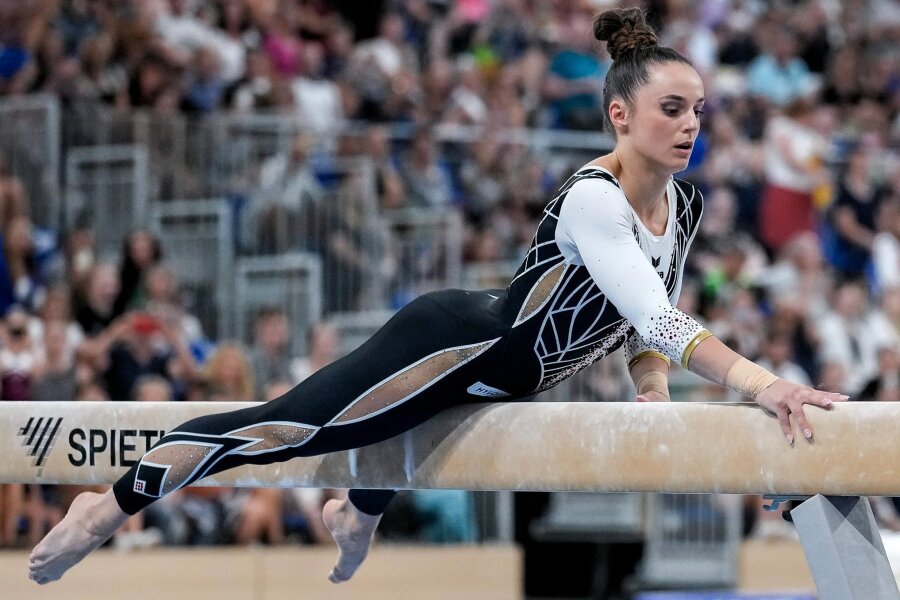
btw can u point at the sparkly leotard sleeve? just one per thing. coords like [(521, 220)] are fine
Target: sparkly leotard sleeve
[(598, 229)]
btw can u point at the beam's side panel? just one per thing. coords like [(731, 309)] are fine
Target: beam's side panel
[(670, 447)]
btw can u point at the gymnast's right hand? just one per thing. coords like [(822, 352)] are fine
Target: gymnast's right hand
[(784, 399)]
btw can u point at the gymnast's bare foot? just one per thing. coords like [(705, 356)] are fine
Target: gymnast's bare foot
[(91, 520), (353, 531)]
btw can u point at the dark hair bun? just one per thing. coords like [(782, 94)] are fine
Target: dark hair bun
[(624, 29)]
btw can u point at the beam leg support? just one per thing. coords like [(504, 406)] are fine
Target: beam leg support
[(843, 548)]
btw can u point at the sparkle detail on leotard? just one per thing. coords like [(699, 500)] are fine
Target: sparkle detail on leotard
[(673, 331), (273, 436), (183, 457)]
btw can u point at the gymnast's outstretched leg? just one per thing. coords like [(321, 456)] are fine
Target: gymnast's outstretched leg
[(418, 364)]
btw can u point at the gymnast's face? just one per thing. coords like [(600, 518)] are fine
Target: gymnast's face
[(663, 121)]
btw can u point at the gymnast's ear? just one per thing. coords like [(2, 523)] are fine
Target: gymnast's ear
[(619, 115)]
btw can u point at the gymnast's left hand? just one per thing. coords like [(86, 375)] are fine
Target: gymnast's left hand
[(784, 399), (652, 396)]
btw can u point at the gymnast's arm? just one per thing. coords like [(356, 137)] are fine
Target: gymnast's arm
[(595, 221)]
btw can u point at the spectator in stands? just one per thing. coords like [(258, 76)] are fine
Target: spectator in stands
[(852, 216), (143, 346), (96, 315), (687, 32), (12, 507), (466, 105), (354, 252), (851, 335), (256, 90), (574, 84), (383, 69), (152, 388), (270, 355), (841, 87), (13, 202), (18, 359), (737, 163), (890, 307), (55, 377), (426, 175), (483, 175), (885, 385), (388, 181), (236, 20), (324, 344), (798, 276), (163, 301), (279, 216), (777, 358), (794, 155), (21, 276), (80, 250), (18, 67), (205, 86), (140, 251), (339, 48), (56, 72), (177, 24), (229, 374), (437, 84), (318, 100), (779, 75), (283, 46), (154, 77), (100, 79), (886, 245)]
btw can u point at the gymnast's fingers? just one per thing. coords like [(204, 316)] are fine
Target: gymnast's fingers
[(784, 421), (802, 422)]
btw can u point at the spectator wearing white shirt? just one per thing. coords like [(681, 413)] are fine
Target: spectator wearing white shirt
[(886, 247), (851, 335), (179, 27), (318, 99)]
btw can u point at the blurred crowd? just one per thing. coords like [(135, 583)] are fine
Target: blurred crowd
[(797, 263)]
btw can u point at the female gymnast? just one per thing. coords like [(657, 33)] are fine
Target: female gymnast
[(604, 269)]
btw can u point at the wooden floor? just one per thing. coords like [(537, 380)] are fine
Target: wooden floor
[(295, 573), (773, 566)]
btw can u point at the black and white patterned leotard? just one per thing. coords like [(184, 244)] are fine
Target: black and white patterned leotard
[(593, 279)]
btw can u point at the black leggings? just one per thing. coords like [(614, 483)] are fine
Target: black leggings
[(420, 363)]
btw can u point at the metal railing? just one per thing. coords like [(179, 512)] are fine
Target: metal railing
[(291, 282), (692, 540), (31, 144), (197, 236), (106, 190)]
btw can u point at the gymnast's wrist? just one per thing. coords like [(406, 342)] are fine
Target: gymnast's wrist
[(653, 381), (749, 378)]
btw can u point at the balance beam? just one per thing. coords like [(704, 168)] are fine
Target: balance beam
[(539, 446)]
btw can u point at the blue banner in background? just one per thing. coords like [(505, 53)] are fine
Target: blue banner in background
[(722, 596)]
